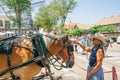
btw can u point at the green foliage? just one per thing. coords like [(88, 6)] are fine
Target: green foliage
[(114, 39), (46, 18), (64, 7), (94, 29), (17, 7), (74, 32), (66, 31), (53, 14), (99, 28)]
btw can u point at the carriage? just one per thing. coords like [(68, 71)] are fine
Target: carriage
[(21, 57)]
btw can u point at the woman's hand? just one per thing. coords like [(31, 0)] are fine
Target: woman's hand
[(89, 75)]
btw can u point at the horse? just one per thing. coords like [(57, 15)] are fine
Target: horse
[(22, 51)]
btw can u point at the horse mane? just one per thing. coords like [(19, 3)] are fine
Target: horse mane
[(49, 38)]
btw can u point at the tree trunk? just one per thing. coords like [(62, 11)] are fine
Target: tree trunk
[(18, 18), (62, 24)]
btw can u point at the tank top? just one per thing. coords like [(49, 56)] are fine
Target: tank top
[(92, 58)]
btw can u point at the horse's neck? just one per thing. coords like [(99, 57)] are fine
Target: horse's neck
[(48, 41)]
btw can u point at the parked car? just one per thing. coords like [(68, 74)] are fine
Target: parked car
[(2, 35), (6, 34), (118, 39), (9, 33)]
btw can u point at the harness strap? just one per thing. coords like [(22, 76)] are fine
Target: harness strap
[(65, 51), (21, 65), (9, 63), (41, 53)]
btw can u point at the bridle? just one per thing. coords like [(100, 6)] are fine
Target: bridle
[(64, 50)]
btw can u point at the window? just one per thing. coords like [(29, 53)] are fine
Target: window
[(7, 24), (1, 23)]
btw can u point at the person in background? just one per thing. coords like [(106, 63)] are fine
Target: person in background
[(108, 43), (76, 50), (83, 42), (95, 70)]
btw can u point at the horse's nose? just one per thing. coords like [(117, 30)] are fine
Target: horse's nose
[(70, 63)]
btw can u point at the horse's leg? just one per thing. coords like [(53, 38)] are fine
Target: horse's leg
[(28, 72)]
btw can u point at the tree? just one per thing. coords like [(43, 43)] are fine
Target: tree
[(102, 28), (53, 14), (108, 28), (94, 29), (64, 7), (18, 7), (46, 17), (74, 32)]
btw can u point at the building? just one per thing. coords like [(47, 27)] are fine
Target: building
[(113, 20), (27, 16), (73, 25), (4, 22)]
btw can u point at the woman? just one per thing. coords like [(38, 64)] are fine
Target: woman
[(95, 71)]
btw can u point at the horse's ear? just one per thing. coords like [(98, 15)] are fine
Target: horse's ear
[(65, 38)]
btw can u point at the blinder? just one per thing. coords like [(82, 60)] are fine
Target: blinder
[(70, 63), (70, 49)]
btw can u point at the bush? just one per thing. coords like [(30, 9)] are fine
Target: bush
[(114, 39)]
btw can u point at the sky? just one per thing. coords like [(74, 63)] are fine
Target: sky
[(90, 11)]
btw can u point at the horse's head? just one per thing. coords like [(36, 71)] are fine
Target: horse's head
[(68, 50), (61, 46)]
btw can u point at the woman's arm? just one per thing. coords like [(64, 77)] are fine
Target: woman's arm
[(83, 47)]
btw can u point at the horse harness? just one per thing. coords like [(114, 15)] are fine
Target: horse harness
[(6, 46)]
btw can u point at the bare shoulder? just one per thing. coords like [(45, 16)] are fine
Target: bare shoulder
[(100, 52)]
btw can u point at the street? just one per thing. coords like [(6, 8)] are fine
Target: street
[(78, 72)]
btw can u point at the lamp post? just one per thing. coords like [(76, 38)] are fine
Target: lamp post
[(70, 24)]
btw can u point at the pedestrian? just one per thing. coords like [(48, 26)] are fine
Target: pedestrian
[(95, 70), (83, 42), (108, 43), (76, 48)]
